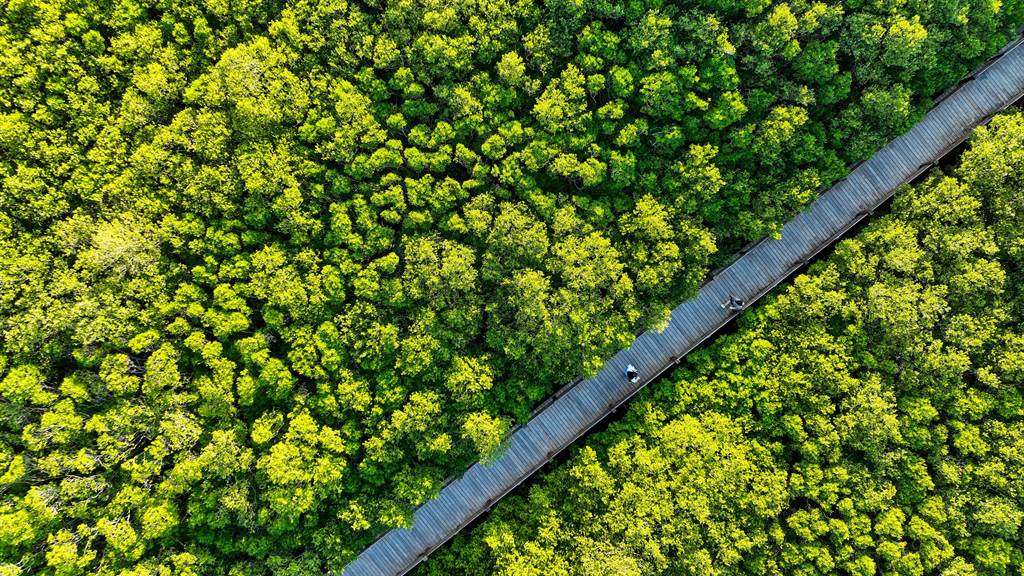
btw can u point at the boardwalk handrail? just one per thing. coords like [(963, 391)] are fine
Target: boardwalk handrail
[(576, 407)]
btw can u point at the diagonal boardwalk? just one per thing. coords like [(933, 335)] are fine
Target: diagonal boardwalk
[(576, 410)]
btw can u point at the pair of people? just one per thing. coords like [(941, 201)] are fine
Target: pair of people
[(733, 303)]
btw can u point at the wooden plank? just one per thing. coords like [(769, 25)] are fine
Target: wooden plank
[(767, 264)]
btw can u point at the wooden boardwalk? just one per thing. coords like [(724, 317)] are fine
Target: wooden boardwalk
[(576, 409)]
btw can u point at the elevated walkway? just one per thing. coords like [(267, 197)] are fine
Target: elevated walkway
[(572, 412)]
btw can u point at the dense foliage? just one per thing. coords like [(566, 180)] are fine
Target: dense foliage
[(868, 419), (270, 271)]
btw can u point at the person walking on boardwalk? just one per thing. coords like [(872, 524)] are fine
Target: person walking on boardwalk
[(733, 303), (632, 374)]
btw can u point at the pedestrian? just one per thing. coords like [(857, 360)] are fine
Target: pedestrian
[(734, 304), (631, 374)]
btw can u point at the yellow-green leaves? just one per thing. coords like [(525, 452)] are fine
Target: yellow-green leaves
[(24, 385), (269, 273), (485, 433)]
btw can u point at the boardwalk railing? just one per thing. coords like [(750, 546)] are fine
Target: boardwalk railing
[(578, 407)]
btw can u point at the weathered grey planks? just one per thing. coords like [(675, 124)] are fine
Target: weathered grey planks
[(994, 87)]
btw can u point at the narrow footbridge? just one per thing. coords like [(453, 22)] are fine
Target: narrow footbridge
[(574, 410)]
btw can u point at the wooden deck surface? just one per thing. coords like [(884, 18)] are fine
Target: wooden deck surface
[(988, 91)]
